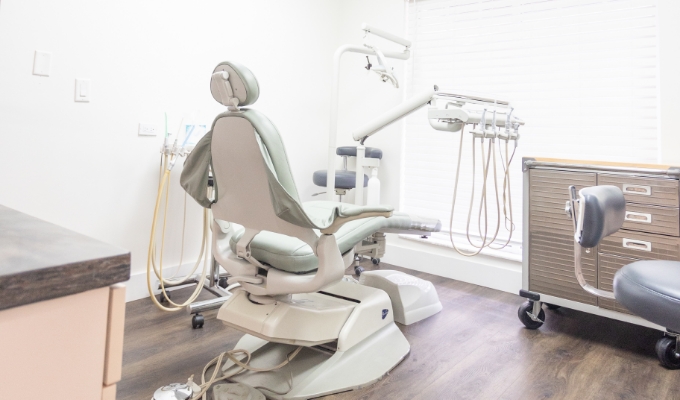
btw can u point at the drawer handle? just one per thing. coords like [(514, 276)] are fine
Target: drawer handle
[(637, 244), (637, 190), (643, 218)]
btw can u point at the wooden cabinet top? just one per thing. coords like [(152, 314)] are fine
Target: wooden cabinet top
[(41, 261)]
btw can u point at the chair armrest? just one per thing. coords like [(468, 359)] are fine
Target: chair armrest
[(344, 213)]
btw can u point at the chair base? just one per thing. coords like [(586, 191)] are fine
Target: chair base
[(319, 371), (345, 311), (413, 299)]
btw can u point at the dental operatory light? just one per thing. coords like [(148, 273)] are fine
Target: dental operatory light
[(386, 73), (381, 69), (368, 64)]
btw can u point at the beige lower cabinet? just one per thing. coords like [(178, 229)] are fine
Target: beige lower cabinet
[(66, 348)]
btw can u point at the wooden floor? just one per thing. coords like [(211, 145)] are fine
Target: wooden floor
[(476, 348)]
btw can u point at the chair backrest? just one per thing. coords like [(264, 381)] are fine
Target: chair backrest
[(255, 187), (602, 212)]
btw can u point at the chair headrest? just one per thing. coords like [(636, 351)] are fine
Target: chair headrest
[(241, 85)]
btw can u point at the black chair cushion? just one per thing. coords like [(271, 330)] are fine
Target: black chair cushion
[(605, 209), (351, 151), (651, 289), (343, 179)]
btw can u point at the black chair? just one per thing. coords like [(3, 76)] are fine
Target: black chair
[(650, 288)]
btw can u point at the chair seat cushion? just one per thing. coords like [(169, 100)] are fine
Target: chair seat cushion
[(291, 254), (343, 179), (651, 289)]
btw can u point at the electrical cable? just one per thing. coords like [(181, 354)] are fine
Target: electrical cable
[(231, 356)]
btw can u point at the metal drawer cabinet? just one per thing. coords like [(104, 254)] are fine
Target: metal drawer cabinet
[(652, 219), (641, 246), (651, 231), (607, 267), (655, 190)]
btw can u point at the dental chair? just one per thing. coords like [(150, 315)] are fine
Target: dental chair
[(289, 260), (649, 288)]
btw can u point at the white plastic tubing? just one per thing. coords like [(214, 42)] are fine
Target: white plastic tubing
[(157, 267), (488, 164)]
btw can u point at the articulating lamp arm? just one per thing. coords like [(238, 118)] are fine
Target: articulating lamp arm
[(395, 114), (386, 35)]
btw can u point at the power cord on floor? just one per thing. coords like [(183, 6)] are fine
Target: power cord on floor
[(231, 355)]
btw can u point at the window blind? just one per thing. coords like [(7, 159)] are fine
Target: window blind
[(583, 74)]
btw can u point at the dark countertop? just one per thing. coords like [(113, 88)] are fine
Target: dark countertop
[(41, 261)]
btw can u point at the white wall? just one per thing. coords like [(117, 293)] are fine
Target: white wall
[(82, 165)]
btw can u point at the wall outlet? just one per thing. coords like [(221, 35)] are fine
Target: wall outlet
[(42, 63), (148, 130)]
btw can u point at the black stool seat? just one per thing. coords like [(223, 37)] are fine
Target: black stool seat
[(651, 289), (343, 179), (351, 151)]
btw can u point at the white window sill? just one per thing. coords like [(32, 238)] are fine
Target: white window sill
[(512, 252)]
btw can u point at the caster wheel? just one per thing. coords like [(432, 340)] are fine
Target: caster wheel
[(665, 350), (553, 306), (197, 321), (523, 315), (358, 270), (162, 299), (375, 261), (223, 282)]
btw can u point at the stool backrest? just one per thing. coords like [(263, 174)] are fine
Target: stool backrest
[(602, 212)]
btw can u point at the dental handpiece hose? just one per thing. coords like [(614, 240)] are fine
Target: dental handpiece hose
[(163, 187), (159, 271)]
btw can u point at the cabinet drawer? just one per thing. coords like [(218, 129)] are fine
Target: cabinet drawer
[(551, 267), (641, 246), (549, 192), (652, 219), (644, 190), (607, 268)]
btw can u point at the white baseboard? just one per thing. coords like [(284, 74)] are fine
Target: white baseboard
[(136, 287), (480, 270)]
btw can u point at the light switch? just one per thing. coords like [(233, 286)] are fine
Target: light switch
[(82, 90), (148, 129), (42, 63)]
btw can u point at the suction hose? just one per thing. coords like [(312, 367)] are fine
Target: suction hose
[(488, 162), (163, 188)]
